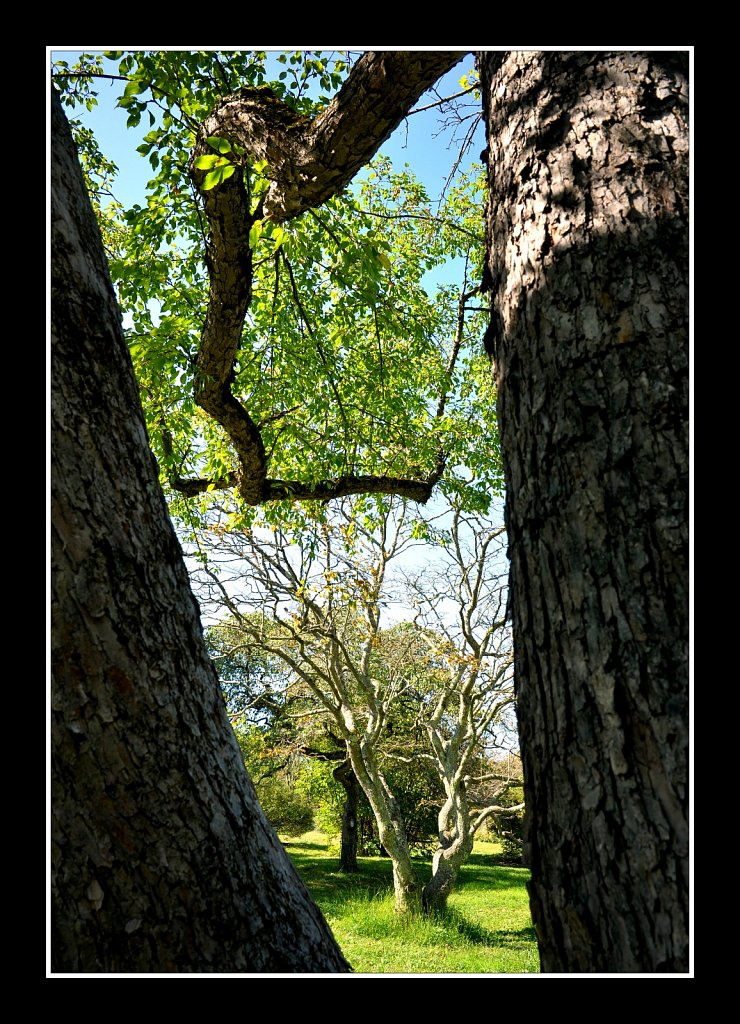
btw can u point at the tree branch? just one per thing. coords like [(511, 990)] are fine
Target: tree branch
[(308, 162)]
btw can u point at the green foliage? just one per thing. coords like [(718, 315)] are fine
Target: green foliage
[(288, 809), (287, 812), (346, 357), (315, 782), (509, 828), (76, 82)]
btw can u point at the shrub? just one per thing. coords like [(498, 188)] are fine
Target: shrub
[(287, 811)]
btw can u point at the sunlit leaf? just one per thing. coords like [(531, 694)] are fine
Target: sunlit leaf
[(206, 162), (216, 176), (220, 145)]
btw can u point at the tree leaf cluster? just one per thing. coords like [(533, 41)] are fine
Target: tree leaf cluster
[(345, 363)]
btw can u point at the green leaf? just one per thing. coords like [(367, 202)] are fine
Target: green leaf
[(371, 369), (207, 162), (136, 86), (220, 145), (254, 233), (215, 177)]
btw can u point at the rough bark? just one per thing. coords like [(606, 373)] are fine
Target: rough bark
[(588, 273), (161, 858), (308, 162)]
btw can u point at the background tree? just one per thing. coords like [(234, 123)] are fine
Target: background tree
[(473, 658), (161, 857), (316, 604), (588, 273), (279, 726)]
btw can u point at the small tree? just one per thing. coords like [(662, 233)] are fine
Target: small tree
[(472, 657), (318, 606)]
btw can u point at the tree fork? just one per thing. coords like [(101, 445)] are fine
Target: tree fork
[(308, 162)]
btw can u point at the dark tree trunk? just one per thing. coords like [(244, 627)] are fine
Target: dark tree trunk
[(162, 860), (588, 273), (343, 773)]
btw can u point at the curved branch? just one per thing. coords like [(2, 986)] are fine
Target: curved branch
[(308, 162)]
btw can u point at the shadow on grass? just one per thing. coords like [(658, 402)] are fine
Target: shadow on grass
[(493, 876), (331, 886), (303, 844), (480, 869), (335, 890), (477, 935)]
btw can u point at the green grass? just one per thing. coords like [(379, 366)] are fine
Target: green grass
[(487, 928)]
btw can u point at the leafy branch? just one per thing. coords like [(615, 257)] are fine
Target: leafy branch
[(300, 156)]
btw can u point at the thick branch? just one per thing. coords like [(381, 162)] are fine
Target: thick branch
[(282, 490), (324, 490), (308, 162)]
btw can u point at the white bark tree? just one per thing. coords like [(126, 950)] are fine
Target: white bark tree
[(472, 649), (319, 607)]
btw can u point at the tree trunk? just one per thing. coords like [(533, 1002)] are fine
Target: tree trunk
[(348, 860), (455, 844), (588, 270), (391, 831), (161, 860)]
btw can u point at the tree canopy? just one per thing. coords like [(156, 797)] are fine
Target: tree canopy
[(295, 348), (314, 603)]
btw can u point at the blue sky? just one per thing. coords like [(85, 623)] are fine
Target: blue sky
[(430, 157)]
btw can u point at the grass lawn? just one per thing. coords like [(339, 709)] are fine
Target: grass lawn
[(487, 929)]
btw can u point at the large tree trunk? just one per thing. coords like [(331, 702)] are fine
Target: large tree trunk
[(588, 263), (162, 860)]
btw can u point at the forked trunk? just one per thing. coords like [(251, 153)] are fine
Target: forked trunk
[(455, 844)]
